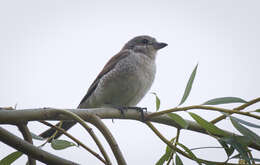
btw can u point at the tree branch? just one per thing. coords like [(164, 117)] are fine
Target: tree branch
[(29, 149), (95, 120), (11, 117), (90, 131), (28, 137)]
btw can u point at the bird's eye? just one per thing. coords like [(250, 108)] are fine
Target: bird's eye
[(145, 41)]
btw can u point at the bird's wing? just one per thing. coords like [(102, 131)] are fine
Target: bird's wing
[(107, 68)]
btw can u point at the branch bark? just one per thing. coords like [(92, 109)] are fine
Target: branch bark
[(29, 149), (95, 120), (74, 116), (12, 117), (28, 137)]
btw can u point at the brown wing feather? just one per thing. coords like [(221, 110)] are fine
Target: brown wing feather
[(108, 67)]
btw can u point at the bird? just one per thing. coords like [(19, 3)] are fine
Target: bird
[(124, 80)]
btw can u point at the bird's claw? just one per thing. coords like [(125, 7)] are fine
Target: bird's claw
[(139, 109)]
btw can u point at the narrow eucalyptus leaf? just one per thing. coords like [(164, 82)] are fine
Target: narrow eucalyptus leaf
[(168, 153), (9, 159), (207, 125), (162, 160), (178, 160), (157, 101), (168, 150), (246, 122), (36, 137), (229, 150), (239, 146), (245, 131), (188, 151), (189, 85), (224, 100), (179, 120), (61, 144), (242, 140)]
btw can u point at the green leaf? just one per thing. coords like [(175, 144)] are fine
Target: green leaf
[(189, 152), (207, 125), (189, 85), (179, 120), (245, 131), (168, 150), (178, 160), (229, 150), (245, 122), (36, 137), (9, 159), (162, 160), (61, 144), (224, 100), (241, 147), (242, 139), (166, 155), (158, 101)]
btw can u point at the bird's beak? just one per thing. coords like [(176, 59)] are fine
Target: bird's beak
[(159, 45)]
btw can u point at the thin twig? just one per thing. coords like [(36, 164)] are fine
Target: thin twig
[(22, 126), (28, 137), (74, 139), (175, 144), (96, 121), (90, 131), (201, 107), (241, 107), (149, 124), (251, 156)]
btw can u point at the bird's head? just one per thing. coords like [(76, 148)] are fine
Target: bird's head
[(144, 44)]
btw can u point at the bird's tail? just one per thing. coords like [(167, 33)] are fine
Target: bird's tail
[(65, 125)]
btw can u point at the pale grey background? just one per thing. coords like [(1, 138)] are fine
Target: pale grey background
[(51, 51)]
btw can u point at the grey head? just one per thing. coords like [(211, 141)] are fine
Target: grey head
[(144, 44)]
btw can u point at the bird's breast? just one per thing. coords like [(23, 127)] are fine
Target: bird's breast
[(127, 83)]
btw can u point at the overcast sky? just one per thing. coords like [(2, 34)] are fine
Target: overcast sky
[(51, 51)]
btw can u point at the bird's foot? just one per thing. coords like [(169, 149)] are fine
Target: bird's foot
[(123, 109), (141, 110)]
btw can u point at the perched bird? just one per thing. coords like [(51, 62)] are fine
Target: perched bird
[(123, 81)]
